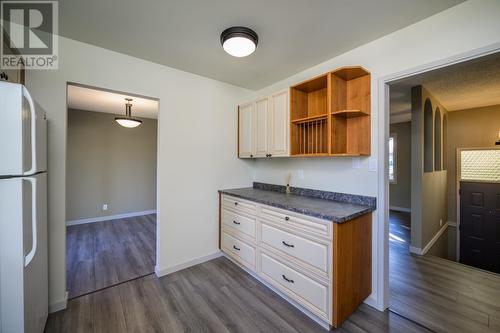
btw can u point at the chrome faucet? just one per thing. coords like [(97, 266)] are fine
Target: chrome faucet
[(287, 190)]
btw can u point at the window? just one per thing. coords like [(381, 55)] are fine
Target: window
[(393, 158)]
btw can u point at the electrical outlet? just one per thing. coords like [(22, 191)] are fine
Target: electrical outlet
[(300, 174), (105, 207), (372, 165)]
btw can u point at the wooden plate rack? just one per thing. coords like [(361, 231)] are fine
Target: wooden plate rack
[(330, 114)]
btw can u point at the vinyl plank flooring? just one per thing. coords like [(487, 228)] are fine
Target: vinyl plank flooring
[(443, 295), (105, 253), (216, 296)]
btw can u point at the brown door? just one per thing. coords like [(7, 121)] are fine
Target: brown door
[(480, 225)]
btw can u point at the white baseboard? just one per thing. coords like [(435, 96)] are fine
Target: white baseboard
[(169, 270), (59, 305), (110, 217), (400, 209), (434, 239)]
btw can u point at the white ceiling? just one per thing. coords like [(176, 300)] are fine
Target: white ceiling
[(468, 85), (90, 99), (293, 34)]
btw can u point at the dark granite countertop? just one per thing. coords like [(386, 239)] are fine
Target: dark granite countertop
[(333, 206)]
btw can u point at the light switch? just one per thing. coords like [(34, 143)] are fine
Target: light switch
[(356, 163), (372, 165), (105, 207)]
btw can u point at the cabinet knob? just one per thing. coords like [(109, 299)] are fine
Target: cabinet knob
[(287, 218), (287, 279), (270, 155), (251, 155), (236, 204), (236, 248)]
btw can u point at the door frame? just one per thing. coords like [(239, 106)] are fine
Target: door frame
[(457, 187), (382, 230)]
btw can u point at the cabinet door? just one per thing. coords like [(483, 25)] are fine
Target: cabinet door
[(279, 125), (246, 131), (261, 127)]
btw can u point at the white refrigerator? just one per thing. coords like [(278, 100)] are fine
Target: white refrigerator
[(23, 212)]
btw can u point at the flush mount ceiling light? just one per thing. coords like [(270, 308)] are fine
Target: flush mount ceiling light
[(128, 121), (239, 41)]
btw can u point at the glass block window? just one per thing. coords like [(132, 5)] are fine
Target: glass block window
[(480, 165)]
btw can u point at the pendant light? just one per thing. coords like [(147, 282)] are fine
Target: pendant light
[(239, 41), (128, 121)]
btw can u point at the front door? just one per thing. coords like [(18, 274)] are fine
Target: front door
[(480, 225)]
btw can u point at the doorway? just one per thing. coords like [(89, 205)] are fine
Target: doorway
[(111, 188), (427, 282)]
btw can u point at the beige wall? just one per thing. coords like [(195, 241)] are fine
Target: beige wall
[(472, 128), (428, 188), (110, 164), (400, 193)]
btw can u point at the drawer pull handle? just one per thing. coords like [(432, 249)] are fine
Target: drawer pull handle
[(288, 245), (287, 279), (238, 223), (236, 248), (286, 218)]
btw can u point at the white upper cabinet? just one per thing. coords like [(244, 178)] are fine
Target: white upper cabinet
[(261, 127), (246, 130), (264, 127), (279, 124)]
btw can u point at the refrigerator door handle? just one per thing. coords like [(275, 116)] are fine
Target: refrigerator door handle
[(29, 257), (27, 95)]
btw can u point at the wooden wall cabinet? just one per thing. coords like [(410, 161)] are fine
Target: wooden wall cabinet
[(330, 114), (264, 127)]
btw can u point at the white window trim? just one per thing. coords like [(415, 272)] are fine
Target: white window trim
[(395, 157)]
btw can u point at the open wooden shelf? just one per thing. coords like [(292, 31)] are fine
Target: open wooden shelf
[(330, 114), (309, 119), (350, 119), (350, 113)]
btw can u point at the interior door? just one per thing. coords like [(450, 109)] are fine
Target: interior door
[(279, 124), (261, 127), (245, 130), (480, 225)]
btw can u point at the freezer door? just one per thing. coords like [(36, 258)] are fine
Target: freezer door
[(23, 254), (23, 132)]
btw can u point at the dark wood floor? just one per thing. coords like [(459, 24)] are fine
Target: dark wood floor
[(102, 254), (443, 295), (216, 296)]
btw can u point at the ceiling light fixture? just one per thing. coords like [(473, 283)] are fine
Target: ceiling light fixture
[(128, 121), (239, 41)]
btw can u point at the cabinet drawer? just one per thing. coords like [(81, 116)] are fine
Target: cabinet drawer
[(239, 204), (311, 225), (308, 251), (239, 250), (239, 222), (304, 290)]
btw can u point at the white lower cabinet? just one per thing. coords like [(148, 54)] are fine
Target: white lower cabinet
[(311, 294), (308, 251), (242, 252), (290, 252)]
